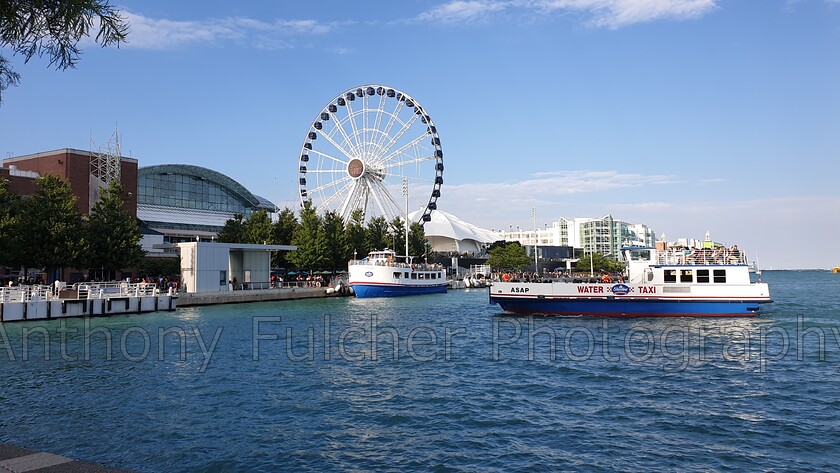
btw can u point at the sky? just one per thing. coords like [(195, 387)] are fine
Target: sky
[(684, 115)]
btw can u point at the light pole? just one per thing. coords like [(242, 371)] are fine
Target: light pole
[(536, 239), (405, 193)]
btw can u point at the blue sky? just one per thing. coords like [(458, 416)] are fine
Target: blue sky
[(685, 115)]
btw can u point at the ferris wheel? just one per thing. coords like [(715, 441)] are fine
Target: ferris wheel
[(372, 148)]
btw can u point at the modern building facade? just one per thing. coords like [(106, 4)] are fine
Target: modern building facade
[(605, 235), (187, 203)]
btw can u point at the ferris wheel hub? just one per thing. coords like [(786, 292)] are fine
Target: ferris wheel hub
[(356, 168)]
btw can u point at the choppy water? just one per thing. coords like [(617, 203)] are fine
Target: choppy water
[(301, 386)]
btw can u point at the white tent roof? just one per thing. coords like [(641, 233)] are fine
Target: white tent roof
[(449, 226)]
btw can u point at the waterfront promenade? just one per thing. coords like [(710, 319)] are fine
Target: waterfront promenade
[(255, 295), (20, 460)]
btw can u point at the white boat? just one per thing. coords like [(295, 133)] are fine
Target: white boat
[(671, 283), (381, 275)]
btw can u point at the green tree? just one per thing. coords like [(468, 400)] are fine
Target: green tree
[(335, 239), (11, 251), (356, 241), (283, 231), (599, 263), (510, 256), (232, 231), (396, 234), (54, 28), (257, 229), (309, 239), (157, 266), (54, 232), (376, 234), (113, 236), (416, 240)]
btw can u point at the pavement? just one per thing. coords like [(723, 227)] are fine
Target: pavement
[(20, 460)]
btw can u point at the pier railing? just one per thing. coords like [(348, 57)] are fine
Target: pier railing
[(30, 293)]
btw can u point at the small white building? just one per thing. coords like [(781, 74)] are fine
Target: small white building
[(210, 267)]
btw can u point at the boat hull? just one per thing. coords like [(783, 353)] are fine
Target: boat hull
[(627, 307), (395, 290), (630, 299)]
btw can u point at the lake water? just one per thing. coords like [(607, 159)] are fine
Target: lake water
[(439, 382)]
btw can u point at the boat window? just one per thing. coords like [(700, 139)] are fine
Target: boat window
[(406, 275), (639, 255), (397, 275), (720, 275), (703, 275), (670, 275), (413, 275), (686, 275)]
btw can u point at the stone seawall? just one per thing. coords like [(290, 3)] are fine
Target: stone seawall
[(259, 295)]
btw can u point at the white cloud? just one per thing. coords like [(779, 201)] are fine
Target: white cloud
[(598, 13), (460, 11), (152, 33), (497, 204)]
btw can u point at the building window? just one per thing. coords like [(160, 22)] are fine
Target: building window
[(223, 280)]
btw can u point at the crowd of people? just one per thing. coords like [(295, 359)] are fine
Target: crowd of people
[(549, 276)]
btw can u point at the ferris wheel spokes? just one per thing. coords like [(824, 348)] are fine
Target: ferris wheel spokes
[(328, 156), (395, 139), (393, 118), (405, 163), (411, 144), (348, 153)]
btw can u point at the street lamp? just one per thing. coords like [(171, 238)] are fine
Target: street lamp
[(536, 239)]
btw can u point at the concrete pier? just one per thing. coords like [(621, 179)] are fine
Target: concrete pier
[(20, 460), (257, 295)]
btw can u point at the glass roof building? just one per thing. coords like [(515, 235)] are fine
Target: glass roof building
[(185, 202)]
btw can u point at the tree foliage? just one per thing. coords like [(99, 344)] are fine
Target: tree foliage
[(335, 238), (416, 240), (53, 225), (356, 235), (113, 235), (54, 28), (232, 231), (257, 229), (511, 257), (156, 266), (599, 263), (376, 234), (283, 231), (11, 252), (309, 239)]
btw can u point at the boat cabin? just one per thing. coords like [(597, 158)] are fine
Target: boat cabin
[(648, 265)]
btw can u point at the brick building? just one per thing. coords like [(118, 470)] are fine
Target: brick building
[(72, 165)]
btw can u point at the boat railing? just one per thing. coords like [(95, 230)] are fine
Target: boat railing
[(702, 256), (394, 264)]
